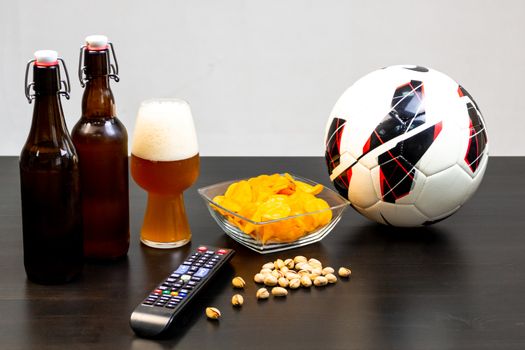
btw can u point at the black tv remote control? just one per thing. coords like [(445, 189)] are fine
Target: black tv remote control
[(165, 304)]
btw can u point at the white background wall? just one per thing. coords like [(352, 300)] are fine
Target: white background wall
[(262, 76)]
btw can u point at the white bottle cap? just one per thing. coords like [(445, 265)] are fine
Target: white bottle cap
[(46, 58), (97, 42)]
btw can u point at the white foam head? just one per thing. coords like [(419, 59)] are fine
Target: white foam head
[(164, 131)]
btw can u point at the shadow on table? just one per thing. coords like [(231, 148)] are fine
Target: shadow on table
[(414, 286)]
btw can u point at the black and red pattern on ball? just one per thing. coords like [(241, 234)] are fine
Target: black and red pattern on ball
[(333, 155), (396, 166), (477, 141)]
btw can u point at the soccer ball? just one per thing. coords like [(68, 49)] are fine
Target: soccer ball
[(406, 145)]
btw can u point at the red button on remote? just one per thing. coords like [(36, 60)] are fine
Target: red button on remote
[(222, 251), (157, 291), (202, 249)]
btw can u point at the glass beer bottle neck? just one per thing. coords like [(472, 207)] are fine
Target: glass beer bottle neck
[(48, 125), (98, 101)]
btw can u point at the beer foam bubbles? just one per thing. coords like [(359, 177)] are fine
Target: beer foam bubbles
[(164, 131)]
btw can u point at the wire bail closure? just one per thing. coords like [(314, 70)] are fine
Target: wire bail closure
[(113, 68), (65, 84)]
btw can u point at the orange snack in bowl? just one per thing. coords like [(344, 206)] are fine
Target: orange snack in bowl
[(272, 199)]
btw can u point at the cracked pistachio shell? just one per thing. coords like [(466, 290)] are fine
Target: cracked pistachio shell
[(238, 282), (262, 293), (213, 313), (306, 281), (283, 282), (237, 300)]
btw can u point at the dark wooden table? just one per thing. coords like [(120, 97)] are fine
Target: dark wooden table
[(459, 284)]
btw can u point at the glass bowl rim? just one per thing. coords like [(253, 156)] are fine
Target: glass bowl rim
[(344, 202)]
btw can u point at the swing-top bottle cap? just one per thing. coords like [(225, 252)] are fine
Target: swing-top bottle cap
[(46, 58), (97, 42)]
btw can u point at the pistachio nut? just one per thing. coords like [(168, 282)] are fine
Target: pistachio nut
[(294, 283), (320, 281), (262, 293), (289, 263), (279, 292), (213, 313), (327, 270), (270, 280), (299, 259), (315, 263), (268, 265), (344, 272), (278, 264), (283, 282), (238, 282), (237, 300), (258, 278), (306, 281), (331, 278)]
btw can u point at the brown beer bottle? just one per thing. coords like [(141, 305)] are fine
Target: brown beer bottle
[(101, 141), (49, 180)]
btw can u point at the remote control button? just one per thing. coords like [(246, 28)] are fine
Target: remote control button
[(186, 262), (157, 291), (216, 257), (222, 251), (194, 268), (192, 283), (182, 295), (187, 287), (166, 292), (162, 288), (202, 249), (209, 252), (182, 269), (185, 278), (202, 261), (171, 306), (147, 303), (198, 264), (177, 285), (202, 272), (208, 266), (196, 279), (184, 291), (170, 280), (174, 293)]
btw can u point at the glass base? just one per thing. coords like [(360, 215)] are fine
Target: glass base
[(165, 245)]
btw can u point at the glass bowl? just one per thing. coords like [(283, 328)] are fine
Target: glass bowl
[(228, 220)]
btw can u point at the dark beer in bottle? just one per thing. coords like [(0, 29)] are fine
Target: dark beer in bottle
[(49, 179), (102, 144)]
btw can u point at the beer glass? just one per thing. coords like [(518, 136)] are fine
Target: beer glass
[(165, 162)]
